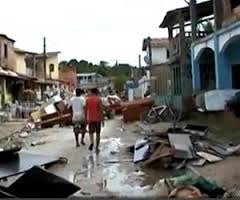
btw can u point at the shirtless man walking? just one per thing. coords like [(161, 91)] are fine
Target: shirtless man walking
[(95, 117), (78, 104)]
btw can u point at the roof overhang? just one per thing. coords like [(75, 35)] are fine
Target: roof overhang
[(171, 19)]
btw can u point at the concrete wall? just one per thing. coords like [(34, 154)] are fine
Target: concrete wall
[(40, 67), (69, 74), (162, 74), (159, 55), (52, 60), (10, 60), (20, 66)]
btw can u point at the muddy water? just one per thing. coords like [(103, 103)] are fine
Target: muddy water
[(112, 172)]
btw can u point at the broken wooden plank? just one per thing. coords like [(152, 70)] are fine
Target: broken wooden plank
[(161, 152), (209, 157)]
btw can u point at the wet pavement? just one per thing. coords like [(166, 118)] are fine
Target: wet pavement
[(110, 173)]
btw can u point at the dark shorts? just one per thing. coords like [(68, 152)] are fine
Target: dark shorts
[(94, 127), (79, 127)]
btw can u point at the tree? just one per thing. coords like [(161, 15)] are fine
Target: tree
[(103, 63), (119, 82), (73, 62), (208, 27), (63, 64)]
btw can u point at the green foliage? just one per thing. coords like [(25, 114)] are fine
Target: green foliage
[(119, 82), (119, 72)]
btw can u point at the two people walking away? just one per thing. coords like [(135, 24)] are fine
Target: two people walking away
[(87, 111)]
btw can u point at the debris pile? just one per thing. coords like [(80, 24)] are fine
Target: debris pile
[(179, 148), (189, 184), (53, 112)]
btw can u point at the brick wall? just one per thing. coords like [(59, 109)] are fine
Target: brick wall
[(68, 74)]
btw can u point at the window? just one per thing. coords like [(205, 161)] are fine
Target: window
[(51, 67), (168, 53), (5, 51)]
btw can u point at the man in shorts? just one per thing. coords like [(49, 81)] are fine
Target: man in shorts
[(78, 104), (95, 117)]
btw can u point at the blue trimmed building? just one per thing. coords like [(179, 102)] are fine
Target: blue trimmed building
[(216, 58)]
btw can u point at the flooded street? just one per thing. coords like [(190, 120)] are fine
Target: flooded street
[(112, 172)]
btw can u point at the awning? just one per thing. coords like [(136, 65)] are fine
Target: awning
[(8, 73)]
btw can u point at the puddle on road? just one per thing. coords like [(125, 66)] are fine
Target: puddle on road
[(113, 146), (96, 177), (109, 178)]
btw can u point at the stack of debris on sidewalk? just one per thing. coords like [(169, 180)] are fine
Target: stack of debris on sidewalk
[(53, 112), (181, 147)]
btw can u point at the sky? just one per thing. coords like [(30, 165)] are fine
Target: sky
[(92, 30)]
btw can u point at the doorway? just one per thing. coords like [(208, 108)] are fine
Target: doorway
[(235, 76)]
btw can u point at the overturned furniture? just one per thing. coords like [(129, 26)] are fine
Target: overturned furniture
[(53, 112)]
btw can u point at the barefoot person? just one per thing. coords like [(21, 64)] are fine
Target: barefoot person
[(78, 104), (95, 117)]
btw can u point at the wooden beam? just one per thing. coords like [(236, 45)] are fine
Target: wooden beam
[(193, 16), (198, 22), (218, 14)]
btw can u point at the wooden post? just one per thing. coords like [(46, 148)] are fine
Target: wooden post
[(182, 51), (170, 32), (170, 38), (218, 13), (150, 51), (193, 13), (44, 58)]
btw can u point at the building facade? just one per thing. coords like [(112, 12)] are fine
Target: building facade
[(180, 38), (92, 80), (157, 58), (215, 59), (68, 74)]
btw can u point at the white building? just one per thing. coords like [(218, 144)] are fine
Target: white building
[(157, 59), (156, 50), (91, 80)]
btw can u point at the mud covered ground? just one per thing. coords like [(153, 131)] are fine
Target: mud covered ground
[(98, 176)]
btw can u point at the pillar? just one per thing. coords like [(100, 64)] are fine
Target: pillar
[(223, 69), (195, 73)]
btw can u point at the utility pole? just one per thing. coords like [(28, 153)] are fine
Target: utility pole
[(139, 61), (150, 51), (44, 58), (193, 13)]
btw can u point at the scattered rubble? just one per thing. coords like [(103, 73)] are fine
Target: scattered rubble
[(53, 112), (36, 143), (185, 147), (23, 135)]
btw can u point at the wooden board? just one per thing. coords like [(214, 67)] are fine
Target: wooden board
[(161, 152), (209, 157)]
